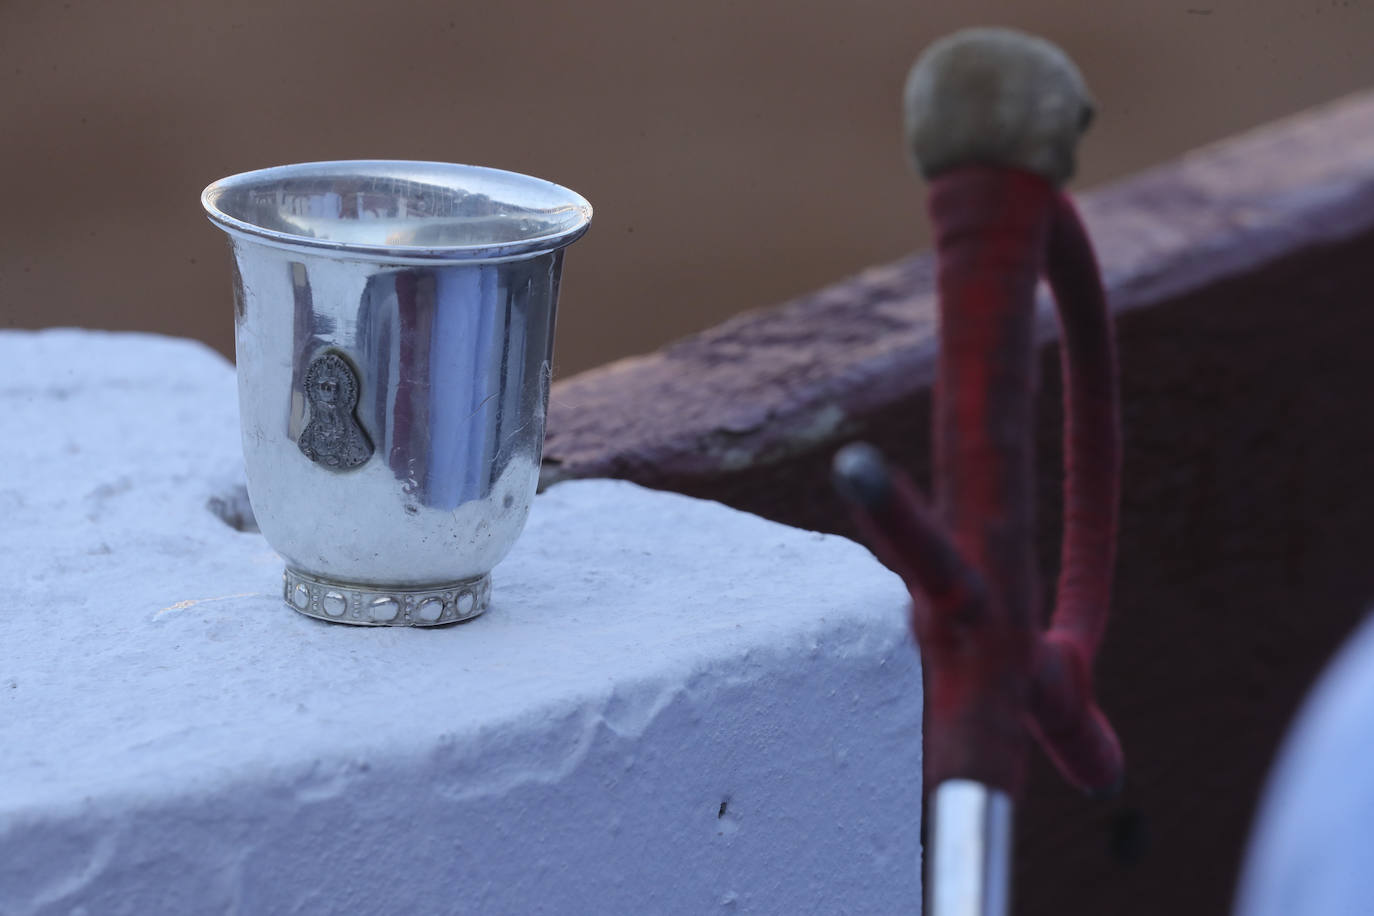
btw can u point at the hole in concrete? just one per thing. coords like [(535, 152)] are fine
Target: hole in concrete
[(723, 805), (232, 508)]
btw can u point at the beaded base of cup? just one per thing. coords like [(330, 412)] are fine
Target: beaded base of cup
[(385, 607)]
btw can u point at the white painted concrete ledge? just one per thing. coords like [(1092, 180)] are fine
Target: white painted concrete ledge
[(671, 707)]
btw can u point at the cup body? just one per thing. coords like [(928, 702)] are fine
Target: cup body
[(394, 331)]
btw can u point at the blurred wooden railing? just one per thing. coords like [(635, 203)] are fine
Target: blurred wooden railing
[(1242, 277)]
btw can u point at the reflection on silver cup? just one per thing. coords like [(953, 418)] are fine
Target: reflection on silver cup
[(394, 330)]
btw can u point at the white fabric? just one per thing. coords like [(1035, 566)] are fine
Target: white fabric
[(1312, 852)]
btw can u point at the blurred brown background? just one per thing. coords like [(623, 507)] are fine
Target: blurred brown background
[(737, 153)]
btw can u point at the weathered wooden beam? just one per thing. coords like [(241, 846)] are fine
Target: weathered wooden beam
[(1242, 277), (770, 385)]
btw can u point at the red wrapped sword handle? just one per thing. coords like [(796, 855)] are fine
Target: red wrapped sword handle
[(993, 119)]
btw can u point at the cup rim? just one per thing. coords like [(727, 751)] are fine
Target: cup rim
[(400, 168)]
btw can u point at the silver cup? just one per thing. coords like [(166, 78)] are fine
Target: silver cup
[(394, 330)]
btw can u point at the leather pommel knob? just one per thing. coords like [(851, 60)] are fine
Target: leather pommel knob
[(995, 97)]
